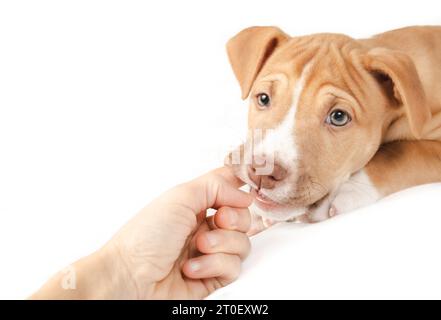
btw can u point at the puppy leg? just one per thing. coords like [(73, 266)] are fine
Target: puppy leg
[(258, 224), (396, 166)]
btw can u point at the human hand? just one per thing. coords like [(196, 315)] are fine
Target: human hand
[(170, 249)]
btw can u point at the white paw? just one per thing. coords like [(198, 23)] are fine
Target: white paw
[(356, 192), (321, 211), (258, 224)]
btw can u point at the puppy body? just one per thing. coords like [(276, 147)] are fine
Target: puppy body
[(388, 87)]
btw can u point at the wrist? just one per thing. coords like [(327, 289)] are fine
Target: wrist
[(97, 276), (106, 275), (100, 275)]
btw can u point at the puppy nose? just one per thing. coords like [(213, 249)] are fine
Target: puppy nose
[(267, 181)]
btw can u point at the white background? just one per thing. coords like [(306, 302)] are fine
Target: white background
[(104, 104)]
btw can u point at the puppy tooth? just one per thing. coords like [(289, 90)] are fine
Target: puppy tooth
[(332, 211)]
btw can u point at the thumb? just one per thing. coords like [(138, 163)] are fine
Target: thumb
[(215, 189)]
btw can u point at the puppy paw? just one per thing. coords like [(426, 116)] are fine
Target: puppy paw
[(320, 211), (356, 192), (258, 224)]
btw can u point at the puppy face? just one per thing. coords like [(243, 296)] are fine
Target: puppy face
[(320, 113)]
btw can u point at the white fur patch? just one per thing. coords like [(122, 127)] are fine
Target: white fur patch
[(356, 192), (281, 140), (322, 211), (279, 144), (276, 216)]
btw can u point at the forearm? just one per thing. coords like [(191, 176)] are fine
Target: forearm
[(92, 277)]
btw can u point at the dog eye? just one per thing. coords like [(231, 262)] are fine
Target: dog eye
[(338, 118), (263, 100)]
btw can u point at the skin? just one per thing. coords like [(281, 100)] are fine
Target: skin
[(170, 249)]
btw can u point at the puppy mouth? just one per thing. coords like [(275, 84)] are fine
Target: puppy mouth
[(266, 203), (272, 208)]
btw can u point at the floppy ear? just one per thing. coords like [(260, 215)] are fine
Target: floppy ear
[(249, 50), (397, 73)]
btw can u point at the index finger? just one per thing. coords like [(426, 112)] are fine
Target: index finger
[(218, 188), (229, 176), (222, 189)]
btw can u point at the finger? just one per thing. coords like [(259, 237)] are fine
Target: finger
[(221, 190), (224, 241), (201, 217), (229, 176), (218, 265), (238, 219), (211, 224), (210, 191)]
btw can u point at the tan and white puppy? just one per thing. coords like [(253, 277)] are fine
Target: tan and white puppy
[(343, 122)]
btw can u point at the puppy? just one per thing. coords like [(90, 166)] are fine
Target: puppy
[(336, 123)]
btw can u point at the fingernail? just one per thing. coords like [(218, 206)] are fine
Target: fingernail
[(195, 266), (233, 219), (212, 240)]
